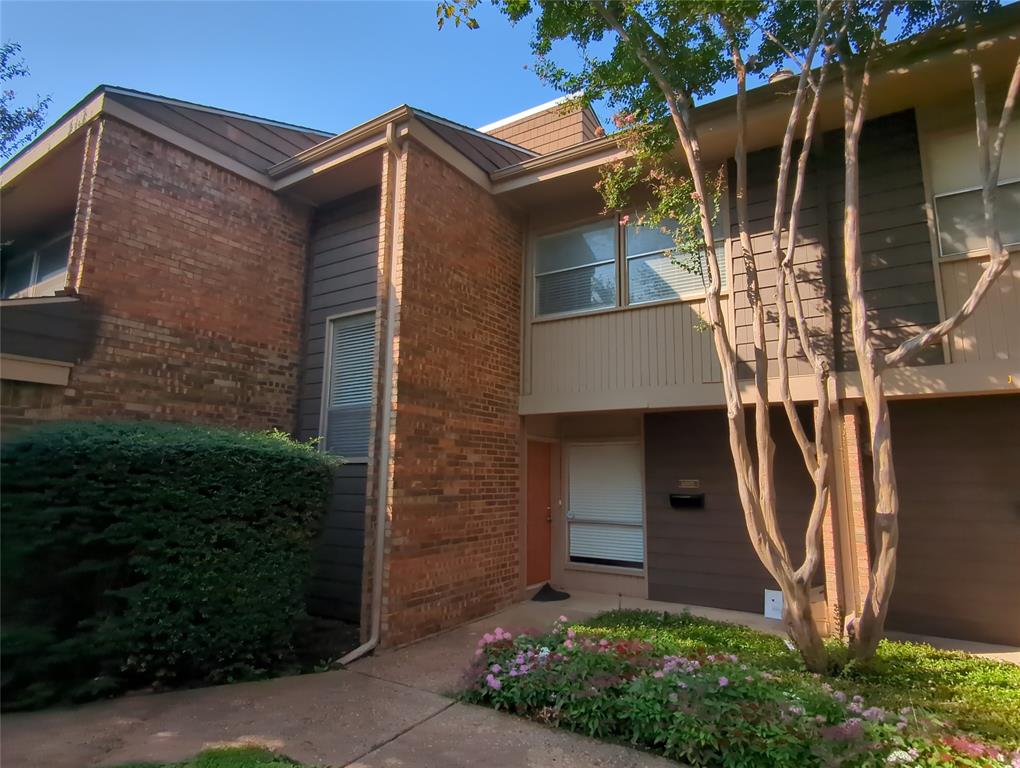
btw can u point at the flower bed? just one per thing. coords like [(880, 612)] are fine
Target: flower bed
[(710, 707)]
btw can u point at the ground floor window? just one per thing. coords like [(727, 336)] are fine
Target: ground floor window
[(605, 523), (350, 368)]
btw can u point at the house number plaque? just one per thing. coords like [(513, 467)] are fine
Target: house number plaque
[(688, 485)]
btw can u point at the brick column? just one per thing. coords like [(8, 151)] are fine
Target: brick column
[(845, 527)]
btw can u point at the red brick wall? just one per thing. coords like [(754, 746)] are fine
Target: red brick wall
[(198, 275), (453, 549)]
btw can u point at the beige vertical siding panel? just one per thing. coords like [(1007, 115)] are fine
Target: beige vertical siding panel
[(648, 348), (993, 332)]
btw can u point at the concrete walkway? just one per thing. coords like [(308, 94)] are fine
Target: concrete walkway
[(392, 710)]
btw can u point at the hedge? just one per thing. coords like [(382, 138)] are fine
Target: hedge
[(150, 554)]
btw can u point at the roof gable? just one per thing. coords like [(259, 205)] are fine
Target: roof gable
[(254, 142)]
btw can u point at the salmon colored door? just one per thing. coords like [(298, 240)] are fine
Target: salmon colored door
[(539, 511)]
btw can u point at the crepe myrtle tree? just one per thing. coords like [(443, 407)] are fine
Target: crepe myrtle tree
[(18, 125), (651, 60)]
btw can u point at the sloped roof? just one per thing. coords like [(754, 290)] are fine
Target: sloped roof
[(487, 152), (255, 142)]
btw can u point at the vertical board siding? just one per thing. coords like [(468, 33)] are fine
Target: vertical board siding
[(342, 276), (993, 331), (656, 347)]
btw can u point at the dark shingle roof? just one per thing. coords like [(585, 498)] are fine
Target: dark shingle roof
[(254, 142), (487, 152)]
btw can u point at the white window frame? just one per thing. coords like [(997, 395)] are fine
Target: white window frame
[(536, 274), (327, 376), (569, 564), (975, 252), (33, 285), (622, 262)]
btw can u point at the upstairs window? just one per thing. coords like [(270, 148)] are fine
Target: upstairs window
[(41, 271), (351, 376), (656, 273), (575, 271), (578, 270), (961, 220)]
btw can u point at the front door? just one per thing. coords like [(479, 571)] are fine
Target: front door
[(539, 511)]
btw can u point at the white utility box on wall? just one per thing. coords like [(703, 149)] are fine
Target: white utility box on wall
[(773, 604)]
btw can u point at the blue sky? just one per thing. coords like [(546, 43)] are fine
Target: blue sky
[(324, 65)]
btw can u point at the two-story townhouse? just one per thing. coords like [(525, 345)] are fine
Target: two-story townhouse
[(518, 380)]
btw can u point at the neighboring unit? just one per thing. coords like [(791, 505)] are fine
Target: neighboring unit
[(519, 381)]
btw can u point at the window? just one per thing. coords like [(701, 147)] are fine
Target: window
[(351, 366), (39, 272), (576, 270), (652, 274), (961, 224), (604, 520)]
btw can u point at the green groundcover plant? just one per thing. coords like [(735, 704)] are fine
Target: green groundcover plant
[(139, 555), (714, 694)]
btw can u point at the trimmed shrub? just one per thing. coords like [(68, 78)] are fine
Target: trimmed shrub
[(141, 554)]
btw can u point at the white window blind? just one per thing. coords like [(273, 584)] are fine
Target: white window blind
[(652, 273), (576, 270), (605, 504), (961, 219), (349, 394)]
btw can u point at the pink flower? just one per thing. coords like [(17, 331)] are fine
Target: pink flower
[(568, 644), (624, 220), (487, 638), (563, 618), (659, 673), (495, 669), (493, 682), (723, 682)]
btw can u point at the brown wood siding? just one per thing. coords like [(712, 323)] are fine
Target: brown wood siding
[(811, 267), (342, 276), (60, 329), (547, 131), (898, 276), (704, 556), (958, 573)]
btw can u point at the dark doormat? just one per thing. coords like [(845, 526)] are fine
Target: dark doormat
[(549, 595)]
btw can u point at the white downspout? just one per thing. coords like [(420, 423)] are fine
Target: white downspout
[(383, 468)]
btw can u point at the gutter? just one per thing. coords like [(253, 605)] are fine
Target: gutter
[(386, 410), (341, 141)]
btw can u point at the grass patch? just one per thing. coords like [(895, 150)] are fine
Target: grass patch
[(227, 757), (711, 694)]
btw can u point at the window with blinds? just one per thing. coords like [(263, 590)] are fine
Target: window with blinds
[(349, 388), (605, 499), (961, 220), (575, 270), (656, 273)]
